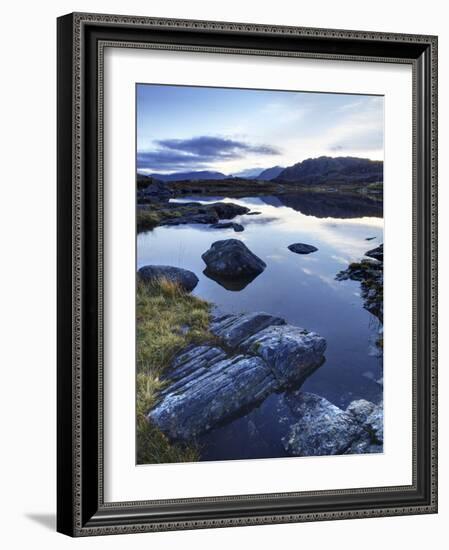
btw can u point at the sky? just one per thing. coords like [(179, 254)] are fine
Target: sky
[(241, 131)]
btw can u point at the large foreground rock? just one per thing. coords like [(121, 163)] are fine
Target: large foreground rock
[(186, 279), (232, 259), (317, 427), (256, 354)]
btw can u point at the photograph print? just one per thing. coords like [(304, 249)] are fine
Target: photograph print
[(259, 290)]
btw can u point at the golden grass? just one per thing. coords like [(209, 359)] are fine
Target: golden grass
[(168, 320)]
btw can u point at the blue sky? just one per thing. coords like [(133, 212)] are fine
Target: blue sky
[(186, 128)]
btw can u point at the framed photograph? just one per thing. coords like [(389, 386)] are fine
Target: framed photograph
[(247, 246)]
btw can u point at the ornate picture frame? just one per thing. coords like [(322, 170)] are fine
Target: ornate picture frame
[(82, 509)]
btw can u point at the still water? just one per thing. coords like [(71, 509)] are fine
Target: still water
[(300, 288)]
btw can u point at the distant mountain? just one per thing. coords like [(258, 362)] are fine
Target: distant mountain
[(333, 170), (180, 176), (249, 173), (270, 173), (313, 171)]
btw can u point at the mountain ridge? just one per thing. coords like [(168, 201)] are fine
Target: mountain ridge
[(311, 171), (333, 170), (270, 173)]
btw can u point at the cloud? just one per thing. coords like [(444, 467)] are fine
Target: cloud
[(215, 147), (167, 160), (362, 130), (198, 152)]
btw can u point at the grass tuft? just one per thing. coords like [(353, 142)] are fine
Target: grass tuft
[(147, 219), (168, 320)]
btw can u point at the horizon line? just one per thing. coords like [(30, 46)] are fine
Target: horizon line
[(262, 169)]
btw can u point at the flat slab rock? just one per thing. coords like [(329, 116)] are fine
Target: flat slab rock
[(186, 279), (318, 427), (256, 354)]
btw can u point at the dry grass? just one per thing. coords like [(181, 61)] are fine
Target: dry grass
[(168, 320), (147, 219)]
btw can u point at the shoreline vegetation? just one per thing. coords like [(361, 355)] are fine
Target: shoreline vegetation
[(168, 320), (154, 208)]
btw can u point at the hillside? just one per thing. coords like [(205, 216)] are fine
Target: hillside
[(270, 173), (338, 170)]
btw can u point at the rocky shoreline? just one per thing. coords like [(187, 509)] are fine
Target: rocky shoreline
[(370, 273), (317, 427), (249, 356), (155, 209), (255, 354), (173, 213)]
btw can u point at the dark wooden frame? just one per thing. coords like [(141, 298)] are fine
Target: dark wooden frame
[(81, 508)]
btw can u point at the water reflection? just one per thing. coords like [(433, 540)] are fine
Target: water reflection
[(334, 205), (234, 284), (300, 288), (320, 205)]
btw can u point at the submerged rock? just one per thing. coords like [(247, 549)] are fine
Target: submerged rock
[(301, 248), (232, 259), (186, 279), (228, 225), (256, 354), (322, 428)]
